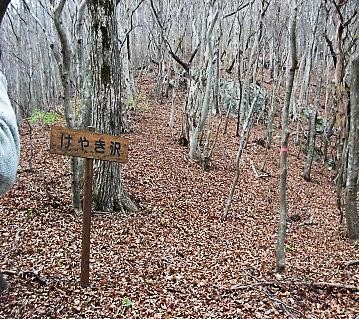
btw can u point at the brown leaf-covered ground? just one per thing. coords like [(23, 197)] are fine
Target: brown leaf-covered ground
[(175, 258)]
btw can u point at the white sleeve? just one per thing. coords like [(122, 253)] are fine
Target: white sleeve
[(9, 140)]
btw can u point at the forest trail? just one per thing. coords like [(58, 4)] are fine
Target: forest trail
[(174, 258)]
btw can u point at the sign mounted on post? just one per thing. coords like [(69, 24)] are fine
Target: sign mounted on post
[(91, 145), (66, 141)]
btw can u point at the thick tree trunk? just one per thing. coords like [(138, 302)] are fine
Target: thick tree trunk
[(107, 108), (351, 200), (280, 260)]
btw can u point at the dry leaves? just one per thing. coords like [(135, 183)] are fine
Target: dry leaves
[(174, 258)]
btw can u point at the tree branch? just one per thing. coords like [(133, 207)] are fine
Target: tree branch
[(156, 15), (310, 284), (350, 19), (338, 9), (332, 52), (352, 263), (241, 7), (194, 53)]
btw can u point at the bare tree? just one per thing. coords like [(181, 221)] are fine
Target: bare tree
[(312, 132), (66, 67), (243, 141), (201, 91), (280, 260)]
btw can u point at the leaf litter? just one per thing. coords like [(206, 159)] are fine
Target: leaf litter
[(174, 257)]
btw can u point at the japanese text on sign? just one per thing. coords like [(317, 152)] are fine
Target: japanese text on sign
[(88, 144)]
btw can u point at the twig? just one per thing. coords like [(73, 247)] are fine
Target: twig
[(325, 285), (253, 285), (282, 305), (98, 212), (27, 274), (9, 272), (311, 284), (309, 221), (241, 7), (17, 234), (352, 263), (35, 274), (290, 311)]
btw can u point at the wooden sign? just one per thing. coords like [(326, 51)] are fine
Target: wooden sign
[(91, 145), (66, 141)]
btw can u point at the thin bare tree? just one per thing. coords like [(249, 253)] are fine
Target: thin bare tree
[(292, 66)]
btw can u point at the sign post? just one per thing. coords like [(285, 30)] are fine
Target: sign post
[(86, 220), (90, 145)]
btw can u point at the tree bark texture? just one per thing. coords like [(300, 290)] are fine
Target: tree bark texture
[(65, 67), (243, 141), (280, 257), (106, 100), (201, 113), (65, 70), (351, 200)]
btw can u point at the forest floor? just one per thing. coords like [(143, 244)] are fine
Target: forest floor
[(174, 257)]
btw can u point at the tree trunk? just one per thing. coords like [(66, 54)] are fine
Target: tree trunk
[(65, 66), (171, 121), (272, 111), (109, 194), (242, 144), (65, 69), (351, 209), (312, 133), (201, 118), (340, 98), (280, 260)]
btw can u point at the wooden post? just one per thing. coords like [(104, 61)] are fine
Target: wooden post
[(86, 221), (89, 145)]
